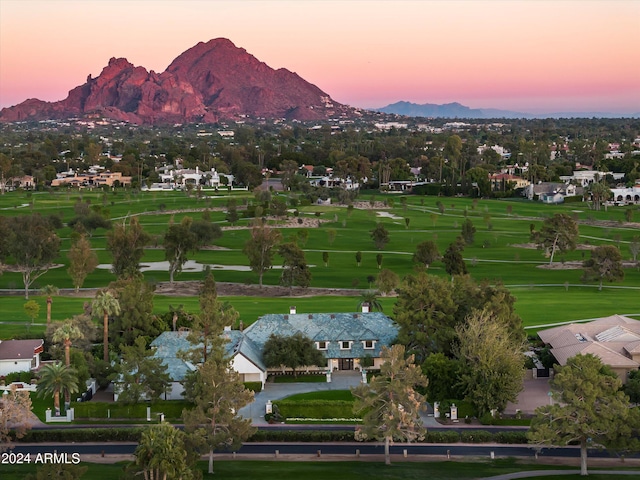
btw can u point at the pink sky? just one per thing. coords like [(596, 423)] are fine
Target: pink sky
[(531, 56)]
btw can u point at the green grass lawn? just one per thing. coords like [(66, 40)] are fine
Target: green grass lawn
[(543, 296), (347, 470)]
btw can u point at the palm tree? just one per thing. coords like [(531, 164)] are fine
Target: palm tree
[(106, 304), (55, 378), (49, 291), (66, 334), (370, 297)]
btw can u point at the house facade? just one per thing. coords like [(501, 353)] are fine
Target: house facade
[(615, 340), (344, 339), (20, 355)]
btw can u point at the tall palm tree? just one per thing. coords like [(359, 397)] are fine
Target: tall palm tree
[(54, 378), (49, 291), (106, 304), (66, 334)]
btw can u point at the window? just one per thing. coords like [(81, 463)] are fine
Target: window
[(345, 345), (369, 344), (321, 345)]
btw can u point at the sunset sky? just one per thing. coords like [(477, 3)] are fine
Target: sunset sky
[(531, 56)]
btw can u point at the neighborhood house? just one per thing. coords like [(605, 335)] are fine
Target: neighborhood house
[(615, 340), (344, 338), (20, 355)]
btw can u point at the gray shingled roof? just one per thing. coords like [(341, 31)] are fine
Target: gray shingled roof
[(332, 328), (329, 327)]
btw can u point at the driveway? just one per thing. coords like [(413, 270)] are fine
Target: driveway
[(534, 394), (341, 380)]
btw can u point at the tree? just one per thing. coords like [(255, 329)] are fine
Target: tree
[(441, 372), (468, 231), (358, 258), (66, 334), (49, 291), (32, 243), (453, 260), (632, 387), (15, 412), (370, 298), (232, 212), (126, 244), (599, 193), (32, 309), (82, 261), (56, 378), (162, 454), (325, 258), (331, 235), (588, 408), (293, 351), (136, 316), (179, 240), (213, 420), (426, 253), (205, 232), (379, 260), (105, 304), (492, 362), (390, 404), (380, 236), (141, 376), (605, 264), (259, 248), (558, 233), (294, 267), (387, 281), (425, 312), (208, 326)]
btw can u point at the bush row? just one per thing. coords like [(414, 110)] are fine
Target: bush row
[(133, 435), (170, 408), (316, 409)]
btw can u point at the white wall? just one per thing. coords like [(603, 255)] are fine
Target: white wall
[(10, 366)]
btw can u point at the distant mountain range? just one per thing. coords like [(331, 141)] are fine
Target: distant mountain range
[(208, 82), (457, 110)]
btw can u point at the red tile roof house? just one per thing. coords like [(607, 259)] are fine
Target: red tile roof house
[(20, 355)]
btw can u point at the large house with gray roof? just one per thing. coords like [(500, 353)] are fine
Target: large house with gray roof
[(615, 340), (344, 338)]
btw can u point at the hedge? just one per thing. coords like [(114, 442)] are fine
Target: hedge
[(253, 386), (316, 409), (475, 436), (103, 410), (68, 435)]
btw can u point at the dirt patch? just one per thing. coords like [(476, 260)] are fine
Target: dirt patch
[(533, 246), (192, 288)]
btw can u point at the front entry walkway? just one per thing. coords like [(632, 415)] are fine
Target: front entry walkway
[(340, 380)]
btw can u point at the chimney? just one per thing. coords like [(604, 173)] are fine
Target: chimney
[(365, 307), (292, 310), (197, 169)]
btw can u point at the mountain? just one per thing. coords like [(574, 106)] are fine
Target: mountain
[(448, 110), (456, 110), (208, 82)]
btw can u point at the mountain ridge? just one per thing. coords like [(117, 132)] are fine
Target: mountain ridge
[(457, 110), (208, 82)]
